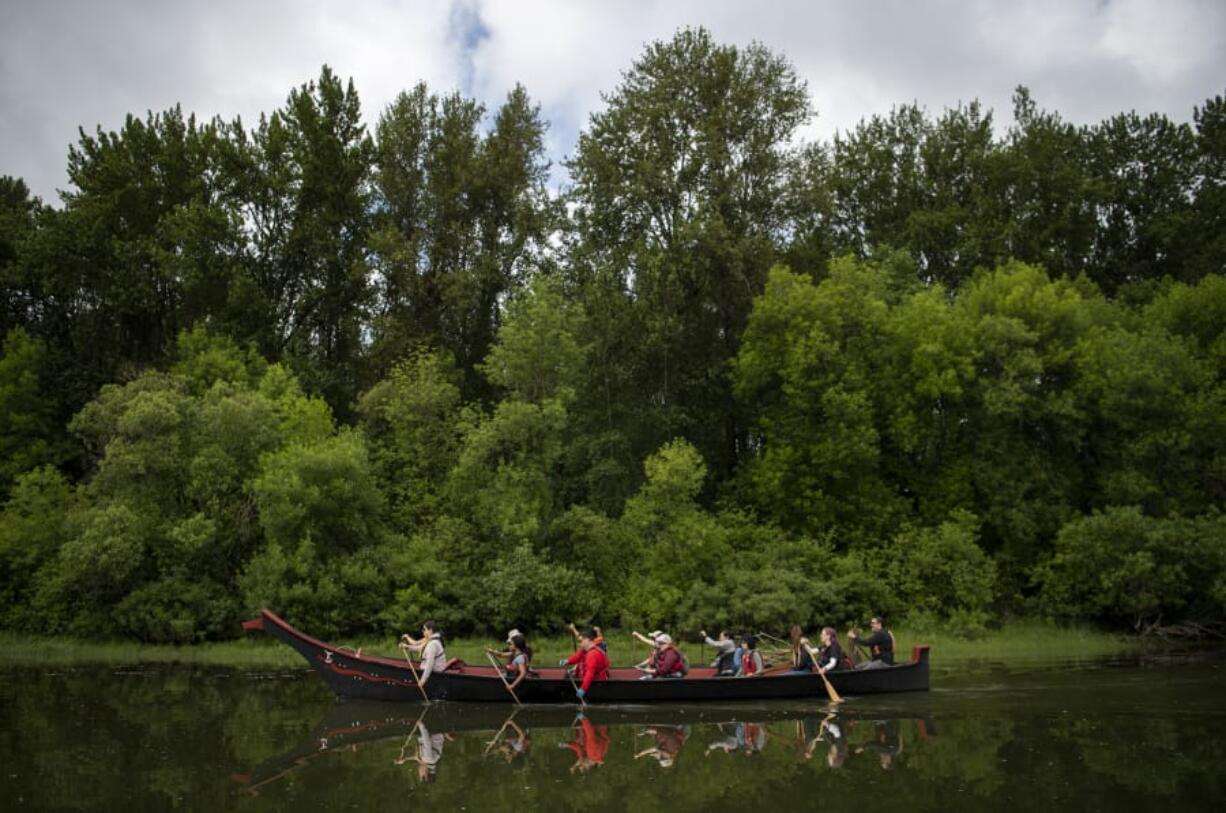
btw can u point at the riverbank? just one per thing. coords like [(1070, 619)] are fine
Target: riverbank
[(1017, 642)]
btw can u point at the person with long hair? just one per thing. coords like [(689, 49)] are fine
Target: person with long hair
[(829, 656), (521, 660), (802, 661)]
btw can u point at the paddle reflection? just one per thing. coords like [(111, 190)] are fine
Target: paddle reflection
[(428, 753), (601, 737)]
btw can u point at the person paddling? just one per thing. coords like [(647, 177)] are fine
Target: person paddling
[(600, 641), (829, 656), (519, 659), (590, 662), (430, 645), (880, 645)]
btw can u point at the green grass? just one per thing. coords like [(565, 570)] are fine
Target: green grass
[(1018, 642)]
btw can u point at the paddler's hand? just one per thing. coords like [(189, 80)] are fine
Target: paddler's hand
[(562, 662)]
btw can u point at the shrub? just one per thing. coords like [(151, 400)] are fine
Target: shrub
[(1121, 567), (942, 573)]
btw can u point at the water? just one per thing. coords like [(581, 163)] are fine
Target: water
[(1141, 734)]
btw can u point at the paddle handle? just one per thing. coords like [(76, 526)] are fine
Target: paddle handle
[(502, 675), (416, 679)]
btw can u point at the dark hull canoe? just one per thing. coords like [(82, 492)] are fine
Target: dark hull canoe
[(370, 677)]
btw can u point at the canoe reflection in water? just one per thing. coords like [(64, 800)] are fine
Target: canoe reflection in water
[(475, 734)]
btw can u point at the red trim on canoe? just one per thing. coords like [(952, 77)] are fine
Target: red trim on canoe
[(254, 624)]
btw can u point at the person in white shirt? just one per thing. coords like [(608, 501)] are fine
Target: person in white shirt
[(430, 645)]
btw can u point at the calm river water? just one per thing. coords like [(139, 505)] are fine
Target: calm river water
[(1147, 733)]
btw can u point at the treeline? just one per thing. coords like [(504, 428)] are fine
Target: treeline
[(721, 378)]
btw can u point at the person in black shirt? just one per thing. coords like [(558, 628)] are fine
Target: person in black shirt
[(880, 645)]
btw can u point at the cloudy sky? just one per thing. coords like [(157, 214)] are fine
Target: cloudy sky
[(70, 63)]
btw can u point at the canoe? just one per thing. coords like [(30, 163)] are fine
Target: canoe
[(371, 677)]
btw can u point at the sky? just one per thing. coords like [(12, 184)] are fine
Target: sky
[(66, 64)]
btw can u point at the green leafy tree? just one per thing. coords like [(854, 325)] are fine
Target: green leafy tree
[(35, 522), (307, 193), (942, 574), (678, 541), (29, 434), (679, 195), (462, 218), (806, 371), (411, 424), (1123, 568)]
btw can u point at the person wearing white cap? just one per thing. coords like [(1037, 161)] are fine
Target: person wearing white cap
[(669, 662), (651, 640), (509, 652)]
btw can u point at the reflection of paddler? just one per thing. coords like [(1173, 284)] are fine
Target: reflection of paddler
[(754, 737), (429, 752), (669, 739), (830, 731), (590, 745), (887, 742)]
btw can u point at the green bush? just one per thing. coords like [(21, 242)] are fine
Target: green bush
[(941, 573), (1121, 567)]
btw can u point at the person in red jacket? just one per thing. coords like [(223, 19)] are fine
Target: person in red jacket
[(590, 662)]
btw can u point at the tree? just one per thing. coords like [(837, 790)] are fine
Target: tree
[(810, 360), (29, 434), (411, 421), (18, 213), (307, 197), (462, 218), (1143, 168), (678, 191)]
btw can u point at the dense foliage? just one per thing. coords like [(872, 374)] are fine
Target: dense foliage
[(930, 368)]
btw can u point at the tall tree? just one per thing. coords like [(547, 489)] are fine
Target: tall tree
[(1144, 169), (678, 191), (308, 205), (462, 216)]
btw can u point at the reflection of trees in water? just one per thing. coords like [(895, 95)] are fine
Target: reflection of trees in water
[(156, 739), (1143, 754)]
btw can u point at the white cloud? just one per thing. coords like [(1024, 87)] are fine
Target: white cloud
[(69, 63)]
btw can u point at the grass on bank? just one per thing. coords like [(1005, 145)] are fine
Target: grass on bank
[(1016, 642)]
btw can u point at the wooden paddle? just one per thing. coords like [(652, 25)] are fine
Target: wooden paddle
[(404, 647), (502, 674), (834, 696), (575, 686)]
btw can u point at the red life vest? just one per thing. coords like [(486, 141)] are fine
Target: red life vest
[(748, 666)]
